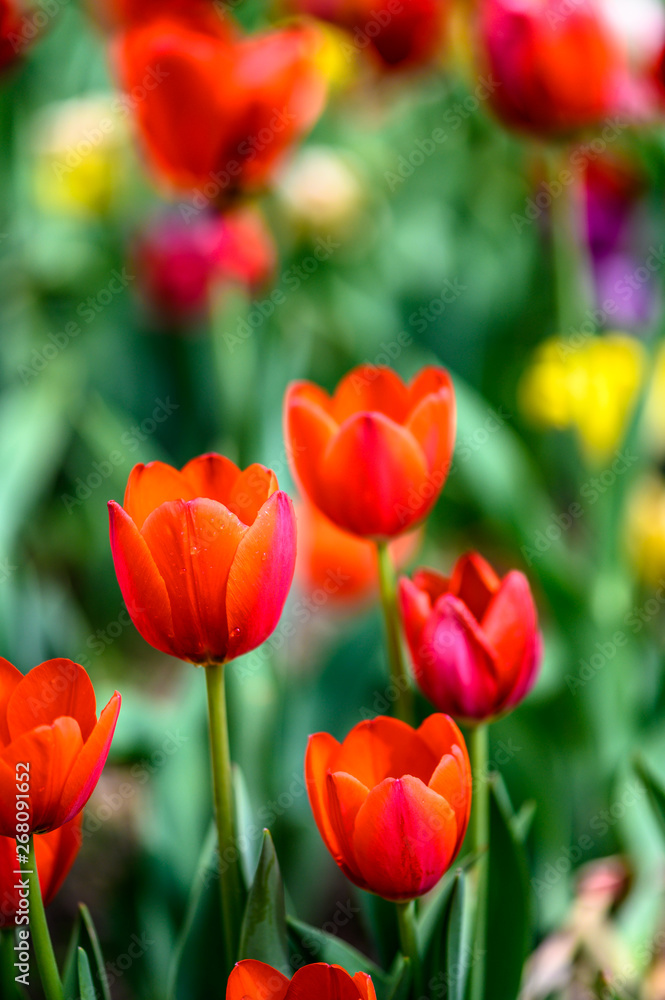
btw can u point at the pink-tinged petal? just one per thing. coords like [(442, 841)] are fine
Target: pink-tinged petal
[(308, 430), (452, 781), (510, 626), (10, 677), (53, 689), (253, 487), (416, 607), (260, 575), (323, 982), (212, 476), (405, 838), (384, 748), (52, 752), (433, 424), (320, 749), (193, 545), (345, 796), (371, 388), (151, 485), (431, 582), (532, 659), (143, 589), (90, 762), (55, 853), (453, 663), (474, 582), (374, 478), (365, 986), (252, 980)]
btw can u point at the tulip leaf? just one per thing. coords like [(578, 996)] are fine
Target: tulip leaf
[(248, 842), (457, 929), (318, 946), (522, 820), (100, 968), (204, 872), (70, 968), (507, 941), (655, 790), (86, 985), (399, 983), (263, 933)]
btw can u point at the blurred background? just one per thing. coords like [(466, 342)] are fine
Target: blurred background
[(409, 227)]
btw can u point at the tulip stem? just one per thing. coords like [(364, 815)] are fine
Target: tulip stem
[(572, 269), (480, 831), (398, 671), (229, 877), (39, 932), (406, 919)]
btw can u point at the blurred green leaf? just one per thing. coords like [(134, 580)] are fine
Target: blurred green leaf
[(199, 884), (263, 934), (86, 985), (320, 946), (70, 968), (655, 790), (88, 925)]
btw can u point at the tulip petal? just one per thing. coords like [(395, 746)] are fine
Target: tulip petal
[(193, 545), (260, 575), (53, 689), (474, 582), (453, 663), (416, 607), (345, 796), (90, 762), (405, 838), (452, 781), (371, 388), (151, 485), (384, 748), (432, 420), (8, 863), (373, 477), (143, 589), (431, 380), (10, 677), (433, 583), (510, 625), (212, 476), (325, 982), (365, 986), (308, 429), (320, 749), (252, 980), (441, 734), (253, 487)]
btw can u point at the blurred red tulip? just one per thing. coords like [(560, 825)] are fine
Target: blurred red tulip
[(342, 566), (474, 638), (55, 853), (16, 32), (391, 803), (48, 721), (251, 980), (204, 557), (374, 457), (217, 113), (179, 263), (399, 34), (556, 68)]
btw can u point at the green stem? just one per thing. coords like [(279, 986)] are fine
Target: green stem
[(41, 939), (406, 919), (398, 671), (480, 833), (572, 269), (229, 879)]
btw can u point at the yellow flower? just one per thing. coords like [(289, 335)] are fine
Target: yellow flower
[(591, 387), (646, 529)]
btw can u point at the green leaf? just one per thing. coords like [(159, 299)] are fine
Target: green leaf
[(399, 982), (86, 985), (199, 884), (655, 790), (263, 934), (457, 929), (319, 946), (88, 925), (70, 968), (248, 846), (522, 820)]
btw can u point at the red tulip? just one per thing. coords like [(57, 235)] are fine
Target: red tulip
[(399, 34), (391, 803), (474, 638), (204, 556), (48, 721), (251, 980), (555, 70), (16, 32), (55, 854), (374, 457), (217, 110)]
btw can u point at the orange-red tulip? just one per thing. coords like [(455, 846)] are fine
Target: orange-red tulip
[(391, 803), (217, 113), (55, 853), (399, 34), (48, 721), (204, 556), (341, 567), (556, 70), (251, 980), (13, 38), (374, 456), (474, 638)]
